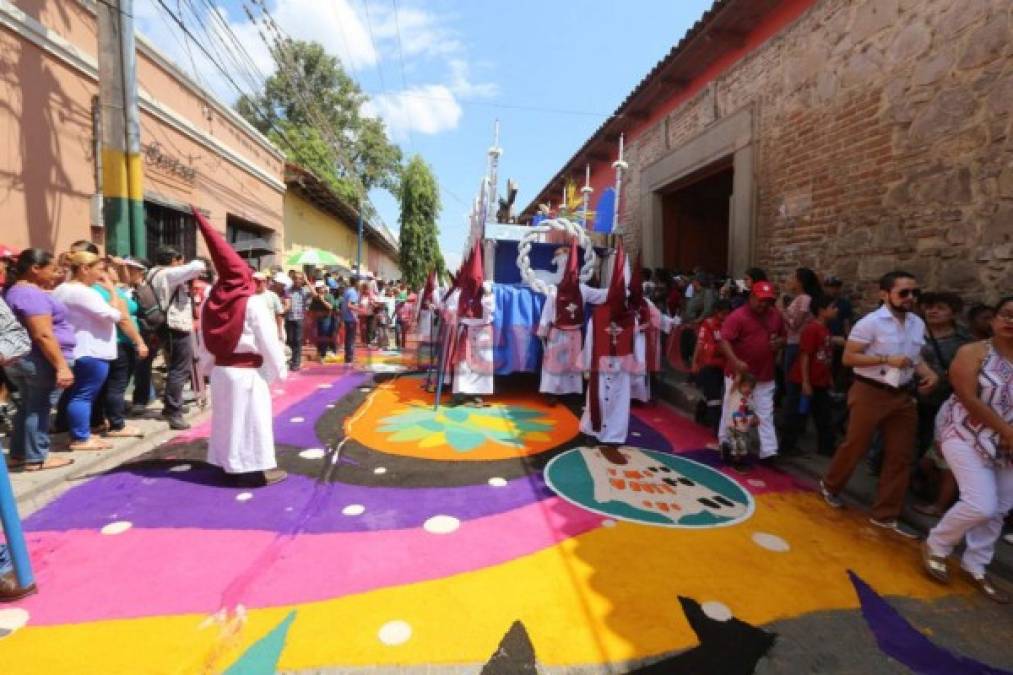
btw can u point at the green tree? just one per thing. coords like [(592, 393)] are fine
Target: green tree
[(420, 206), (312, 110)]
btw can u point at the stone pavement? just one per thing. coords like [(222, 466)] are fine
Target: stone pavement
[(466, 540)]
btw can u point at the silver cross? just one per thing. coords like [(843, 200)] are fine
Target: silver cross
[(572, 309), (614, 330)]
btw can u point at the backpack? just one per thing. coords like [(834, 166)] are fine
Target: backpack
[(14, 340), (150, 314)]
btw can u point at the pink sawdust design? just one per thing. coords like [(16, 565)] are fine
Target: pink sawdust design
[(185, 570)]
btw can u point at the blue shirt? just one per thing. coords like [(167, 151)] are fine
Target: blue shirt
[(346, 305)]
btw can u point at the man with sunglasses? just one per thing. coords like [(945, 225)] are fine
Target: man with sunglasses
[(884, 349)]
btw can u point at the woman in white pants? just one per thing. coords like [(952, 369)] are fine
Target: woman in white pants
[(976, 433)]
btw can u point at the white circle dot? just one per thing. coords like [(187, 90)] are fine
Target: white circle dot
[(244, 496), (330, 405), (497, 482), (756, 482), (324, 386), (608, 522), (395, 633), (353, 510), (297, 420), (716, 610), (363, 388), (312, 453), (771, 542), (180, 468), (117, 527), (441, 525), (12, 619), (380, 470), (289, 508)]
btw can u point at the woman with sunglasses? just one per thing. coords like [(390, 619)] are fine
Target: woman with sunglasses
[(976, 433)]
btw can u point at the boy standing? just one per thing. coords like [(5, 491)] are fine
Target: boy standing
[(813, 372)]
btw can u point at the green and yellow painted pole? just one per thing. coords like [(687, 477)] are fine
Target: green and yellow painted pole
[(122, 169)]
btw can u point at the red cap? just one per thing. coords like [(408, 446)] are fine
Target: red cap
[(764, 290)]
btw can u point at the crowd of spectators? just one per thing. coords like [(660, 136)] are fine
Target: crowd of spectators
[(912, 385), (95, 327)]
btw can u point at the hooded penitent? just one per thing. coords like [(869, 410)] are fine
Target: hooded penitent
[(614, 325), (569, 302), (637, 302), (224, 311), (469, 280)]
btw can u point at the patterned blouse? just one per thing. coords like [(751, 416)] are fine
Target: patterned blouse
[(995, 389)]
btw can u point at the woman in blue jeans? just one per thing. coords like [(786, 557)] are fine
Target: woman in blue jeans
[(94, 320), (42, 374)]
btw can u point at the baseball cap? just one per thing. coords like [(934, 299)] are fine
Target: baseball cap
[(764, 290), (319, 283), (133, 262), (260, 276)]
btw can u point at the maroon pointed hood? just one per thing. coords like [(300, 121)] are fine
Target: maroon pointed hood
[(224, 310), (615, 300), (469, 279), (569, 301)]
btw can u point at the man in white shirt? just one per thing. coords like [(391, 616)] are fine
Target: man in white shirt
[(884, 348), (168, 280), (273, 302)]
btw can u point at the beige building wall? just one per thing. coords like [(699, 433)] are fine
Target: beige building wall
[(307, 226), (196, 149)]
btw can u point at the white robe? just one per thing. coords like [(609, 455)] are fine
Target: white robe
[(562, 372), (640, 386), (242, 437), (477, 378), (614, 381)]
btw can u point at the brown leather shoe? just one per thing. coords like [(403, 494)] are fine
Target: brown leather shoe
[(272, 476), (612, 454), (10, 591)]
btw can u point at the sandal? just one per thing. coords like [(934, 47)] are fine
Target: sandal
[(50, 463), (992, 592), (125, 432), (91, 444), (935, 565)]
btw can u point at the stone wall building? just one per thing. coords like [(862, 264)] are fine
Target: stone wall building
[(850, 136)]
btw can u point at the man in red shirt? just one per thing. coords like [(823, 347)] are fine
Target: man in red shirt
[(812, 371), (709, 364), (750, 339)]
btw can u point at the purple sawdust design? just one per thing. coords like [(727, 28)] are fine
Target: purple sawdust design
[(899, 639), (154, 497), (310, 410)]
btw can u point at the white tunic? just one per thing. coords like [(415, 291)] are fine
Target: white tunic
[(562, 365), (614, 381), (640, 386), (242, 438), (475, 375)]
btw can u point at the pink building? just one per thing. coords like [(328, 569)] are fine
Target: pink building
[(196, 149)]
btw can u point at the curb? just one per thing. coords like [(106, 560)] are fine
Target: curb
[(33, 496)]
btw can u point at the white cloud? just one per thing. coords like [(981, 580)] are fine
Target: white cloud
[(461, 84), (341, 27), (427, 109)]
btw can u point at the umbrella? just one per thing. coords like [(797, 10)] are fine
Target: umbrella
[(313, 256)]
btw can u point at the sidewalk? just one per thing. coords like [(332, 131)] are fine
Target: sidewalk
[(861, 488), (33, 490)]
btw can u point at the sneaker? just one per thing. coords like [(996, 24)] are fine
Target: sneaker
[(830, 498), (894, 526), (177, 423), (272, 476)]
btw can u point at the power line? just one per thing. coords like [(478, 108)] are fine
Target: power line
[(491, 104), (400, 58), (372, 41)]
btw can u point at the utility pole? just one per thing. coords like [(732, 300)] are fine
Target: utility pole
[(122, 175)]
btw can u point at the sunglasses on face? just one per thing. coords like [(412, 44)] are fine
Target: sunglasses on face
[(906, 293)]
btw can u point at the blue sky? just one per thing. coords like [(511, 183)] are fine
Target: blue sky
[(440, 73)]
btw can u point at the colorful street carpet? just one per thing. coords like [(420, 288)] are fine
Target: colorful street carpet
[(412, 538)]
